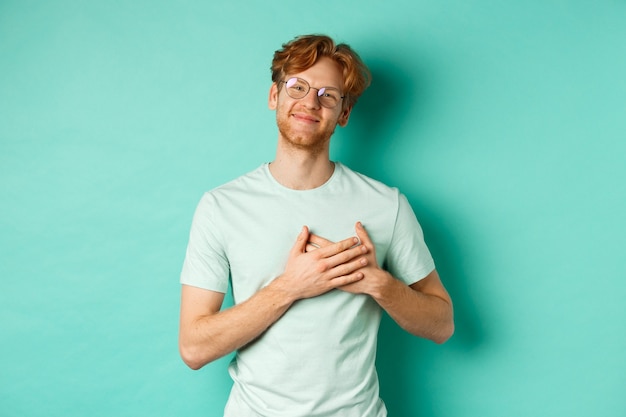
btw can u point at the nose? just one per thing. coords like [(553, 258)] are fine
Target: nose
[(311, 99)]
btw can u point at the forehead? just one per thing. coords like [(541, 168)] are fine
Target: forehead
[(324, 73)]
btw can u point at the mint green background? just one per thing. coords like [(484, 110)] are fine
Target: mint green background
[(503, 122)]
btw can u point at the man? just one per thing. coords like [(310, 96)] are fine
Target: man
[(306, 314)]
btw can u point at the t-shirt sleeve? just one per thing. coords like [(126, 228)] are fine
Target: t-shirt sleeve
[(206, 265), (408, 258)]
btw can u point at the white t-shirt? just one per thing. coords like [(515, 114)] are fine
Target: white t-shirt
[(318, 359)]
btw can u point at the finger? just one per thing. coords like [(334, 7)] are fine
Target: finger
[(363, 236), (346, 256), (319, 241), (338, 247), (301, 241), (344, 280), (311, 247)]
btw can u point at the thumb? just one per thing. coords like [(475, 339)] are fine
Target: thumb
[(301, 241)]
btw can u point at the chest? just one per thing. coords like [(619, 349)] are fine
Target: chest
[(258, 237)]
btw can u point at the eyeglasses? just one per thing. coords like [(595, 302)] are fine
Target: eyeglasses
[(298, 88)]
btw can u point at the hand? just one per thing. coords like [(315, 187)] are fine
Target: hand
[(312, 270), (373, 275)]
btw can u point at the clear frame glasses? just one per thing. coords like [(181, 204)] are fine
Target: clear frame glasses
[(298, 88)]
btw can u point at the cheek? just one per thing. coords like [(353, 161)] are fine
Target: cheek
[(282, 103), (339, 117)]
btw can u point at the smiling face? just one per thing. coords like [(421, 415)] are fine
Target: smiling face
[(304, 123)]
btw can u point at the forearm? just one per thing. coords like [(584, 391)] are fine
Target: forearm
[(211, 336), (425, 315)]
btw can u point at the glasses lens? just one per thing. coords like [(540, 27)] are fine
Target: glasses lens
[(296, 87), (329, 97)]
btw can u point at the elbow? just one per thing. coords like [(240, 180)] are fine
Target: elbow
[(445, 328), (191, 357), (445, 332), (193, 365)]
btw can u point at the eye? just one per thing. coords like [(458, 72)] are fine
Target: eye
[(329, 93), (323, 92), (296, 84)]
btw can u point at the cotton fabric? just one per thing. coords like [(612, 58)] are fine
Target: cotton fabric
[(318, 359)]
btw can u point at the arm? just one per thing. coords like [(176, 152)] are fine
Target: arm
[(206, 333), (423, 309)]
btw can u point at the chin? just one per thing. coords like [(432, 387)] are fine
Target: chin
[(313, 141)]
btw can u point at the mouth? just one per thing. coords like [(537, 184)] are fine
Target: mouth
[(303, 117)]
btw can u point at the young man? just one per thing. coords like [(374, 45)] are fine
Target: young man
[(306, 314)]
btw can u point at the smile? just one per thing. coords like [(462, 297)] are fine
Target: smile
[(304, 118)]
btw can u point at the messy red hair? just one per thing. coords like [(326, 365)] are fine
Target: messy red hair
[(303, 52)]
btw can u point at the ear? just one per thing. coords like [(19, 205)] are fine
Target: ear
[(344, 116), (272, 101)]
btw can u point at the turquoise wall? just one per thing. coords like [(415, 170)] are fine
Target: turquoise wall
[(503, 122)]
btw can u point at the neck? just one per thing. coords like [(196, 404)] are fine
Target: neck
[(301, 170)]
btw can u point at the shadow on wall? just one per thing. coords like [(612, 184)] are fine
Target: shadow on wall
[(377, 116), (369, 145)]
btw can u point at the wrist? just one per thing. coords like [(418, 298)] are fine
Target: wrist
[(281, 292), (384, 283)]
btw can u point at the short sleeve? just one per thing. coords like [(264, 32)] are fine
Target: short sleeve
[(408, 258), (205, 265)]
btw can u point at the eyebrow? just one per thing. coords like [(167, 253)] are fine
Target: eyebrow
[(287, 78)]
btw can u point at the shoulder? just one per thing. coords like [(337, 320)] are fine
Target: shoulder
[(238, 187), (256, 176), (365, 184), (225, 200)]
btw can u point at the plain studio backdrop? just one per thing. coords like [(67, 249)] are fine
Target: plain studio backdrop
[(504, 123)]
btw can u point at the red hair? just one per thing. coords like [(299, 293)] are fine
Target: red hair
[(303, 52)]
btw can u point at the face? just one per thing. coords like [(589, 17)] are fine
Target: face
[(304, 123)]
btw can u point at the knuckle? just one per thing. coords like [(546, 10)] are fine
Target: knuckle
[(321, 267), (345, 257), (346, 244)]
